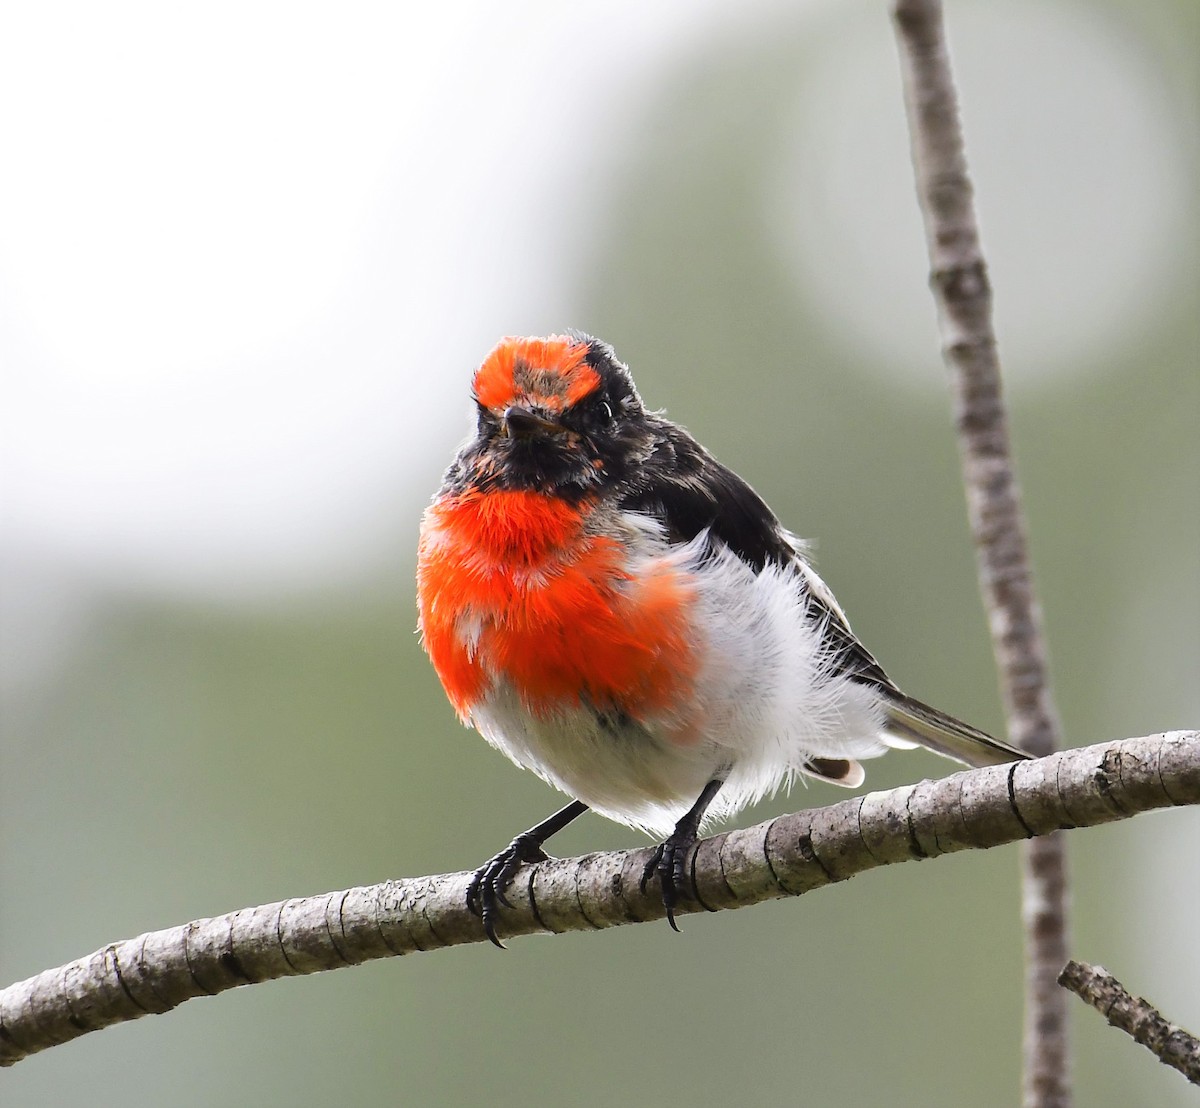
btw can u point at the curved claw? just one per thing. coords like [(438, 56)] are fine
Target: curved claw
[(651, 867), (488, 885), (669, 861)]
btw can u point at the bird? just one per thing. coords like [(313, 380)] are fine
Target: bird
[(618, 612)]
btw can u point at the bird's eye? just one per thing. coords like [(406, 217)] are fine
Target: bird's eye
[(606, 411)]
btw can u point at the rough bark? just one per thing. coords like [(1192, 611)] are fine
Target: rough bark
[(788, 856), (1171, 1044)]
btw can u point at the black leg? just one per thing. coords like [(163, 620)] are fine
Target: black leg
[(490, 880), (669, 861)]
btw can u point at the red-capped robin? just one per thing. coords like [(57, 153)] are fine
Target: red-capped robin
[(615, 610)]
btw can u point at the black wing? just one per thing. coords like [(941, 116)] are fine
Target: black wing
[(688, 490), (685, 487)]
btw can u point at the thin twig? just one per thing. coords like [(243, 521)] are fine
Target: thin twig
[(788, 856), (1171, 1044), (962, 291)]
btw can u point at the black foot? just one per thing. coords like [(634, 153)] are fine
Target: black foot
[(488, 885), (490, 880), (669, 861)]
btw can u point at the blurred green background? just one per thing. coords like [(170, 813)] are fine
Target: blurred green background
[(256, 256)]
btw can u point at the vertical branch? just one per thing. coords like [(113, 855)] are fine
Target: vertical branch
[(961, 288)]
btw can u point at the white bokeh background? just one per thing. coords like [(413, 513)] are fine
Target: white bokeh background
[(249, 253)]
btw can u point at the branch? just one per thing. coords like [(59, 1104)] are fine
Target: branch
[(788, 856), (1172, 1045), (963, 293)]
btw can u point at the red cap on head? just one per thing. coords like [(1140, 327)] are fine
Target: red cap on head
[(550, 373)]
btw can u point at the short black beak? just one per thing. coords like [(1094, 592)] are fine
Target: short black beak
[(522, 423)]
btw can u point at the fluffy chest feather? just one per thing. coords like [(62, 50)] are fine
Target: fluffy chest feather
[(528, 591)]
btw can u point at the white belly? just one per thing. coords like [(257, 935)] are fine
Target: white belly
[(764, 699)]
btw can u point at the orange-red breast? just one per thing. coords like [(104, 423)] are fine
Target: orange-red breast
[(615, 610)]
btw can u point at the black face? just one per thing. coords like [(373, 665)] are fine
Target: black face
[(571, 450), (606, 445)]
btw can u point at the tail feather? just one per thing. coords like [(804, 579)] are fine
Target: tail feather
[(912, 721), (837, 771)]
